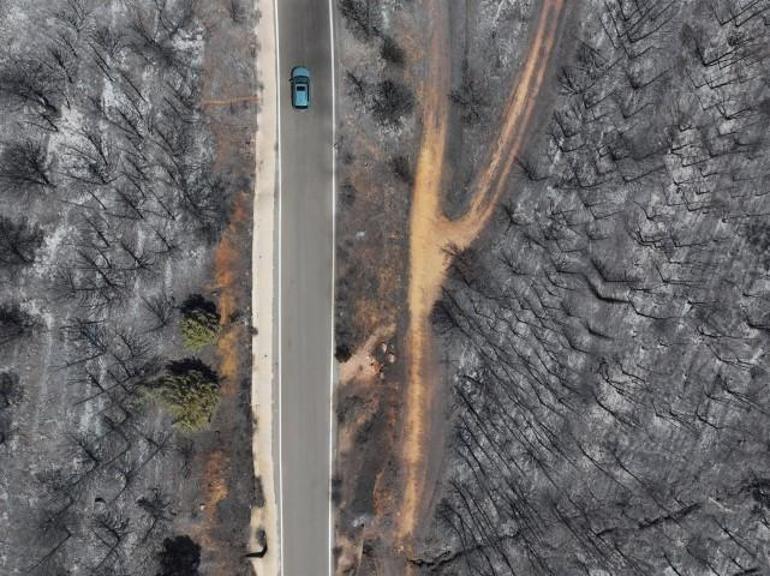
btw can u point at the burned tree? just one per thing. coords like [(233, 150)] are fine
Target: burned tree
[(19, 241), (360, 17), (392, 52), (391, 102), (11, 395), (28, 84), (24, 167), (161, 308), (11, 392), (157, 507), (180, 557), (15, 323)]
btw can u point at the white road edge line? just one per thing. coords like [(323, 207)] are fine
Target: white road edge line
[(278, 81), (334, 245)]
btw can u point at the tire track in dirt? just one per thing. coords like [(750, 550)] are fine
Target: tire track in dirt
[(433, 237)]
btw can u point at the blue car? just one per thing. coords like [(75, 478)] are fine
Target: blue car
[(300, 87)]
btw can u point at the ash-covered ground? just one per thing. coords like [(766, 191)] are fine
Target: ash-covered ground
[(606, 339), (116, 189)]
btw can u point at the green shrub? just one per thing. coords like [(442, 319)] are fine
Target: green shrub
[(200, 323), (199, 330), (189, 391)]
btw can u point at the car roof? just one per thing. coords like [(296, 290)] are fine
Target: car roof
[(300, 96), (300, 71)]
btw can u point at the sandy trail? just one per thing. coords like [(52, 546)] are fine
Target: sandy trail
[(427, 266), (432, 234)]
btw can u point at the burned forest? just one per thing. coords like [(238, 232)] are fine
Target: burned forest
[(114, 458), (601, 346), (606, 339)]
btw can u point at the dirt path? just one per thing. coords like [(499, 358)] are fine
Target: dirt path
[(427, 266), (432, 234)]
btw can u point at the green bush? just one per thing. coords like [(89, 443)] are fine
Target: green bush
[(200, 323), (199, 329), (189, 391)]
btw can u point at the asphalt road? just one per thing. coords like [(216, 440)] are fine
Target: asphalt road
[(306, 238)]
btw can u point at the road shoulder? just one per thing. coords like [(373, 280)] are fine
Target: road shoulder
[(263, 303)]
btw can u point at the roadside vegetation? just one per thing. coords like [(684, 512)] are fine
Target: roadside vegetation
[(199, 323), (189, 391)]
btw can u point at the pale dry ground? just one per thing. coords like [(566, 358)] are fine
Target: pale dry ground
[(362, 365), (434, 237), (262, 302)]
